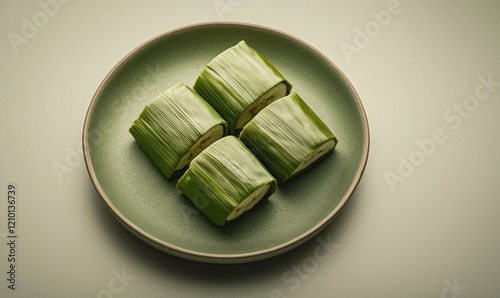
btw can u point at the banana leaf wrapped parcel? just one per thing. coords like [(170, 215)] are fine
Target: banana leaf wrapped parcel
[(238, 83), (288, 137), (176, 126), (226, 180)]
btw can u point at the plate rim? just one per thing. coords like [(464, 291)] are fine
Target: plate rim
[(212, 257)]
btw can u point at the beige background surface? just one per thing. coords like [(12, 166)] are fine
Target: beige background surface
[(424, 221)]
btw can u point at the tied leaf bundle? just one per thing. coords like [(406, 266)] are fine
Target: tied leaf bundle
[(238, 83), (226, 180), (175, 127), (288, 137)]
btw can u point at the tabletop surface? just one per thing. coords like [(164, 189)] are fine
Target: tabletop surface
[(423, 221)]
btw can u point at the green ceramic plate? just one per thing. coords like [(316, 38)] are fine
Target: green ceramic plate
[(153, 209)]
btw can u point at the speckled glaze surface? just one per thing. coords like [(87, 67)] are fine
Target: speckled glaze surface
[(150, 206)]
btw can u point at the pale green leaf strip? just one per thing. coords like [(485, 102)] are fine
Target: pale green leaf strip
[(220, 96)]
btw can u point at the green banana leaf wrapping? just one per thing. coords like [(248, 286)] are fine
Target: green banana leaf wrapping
[(288, 137), (235, 84), (175, 126), (223, 178)]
